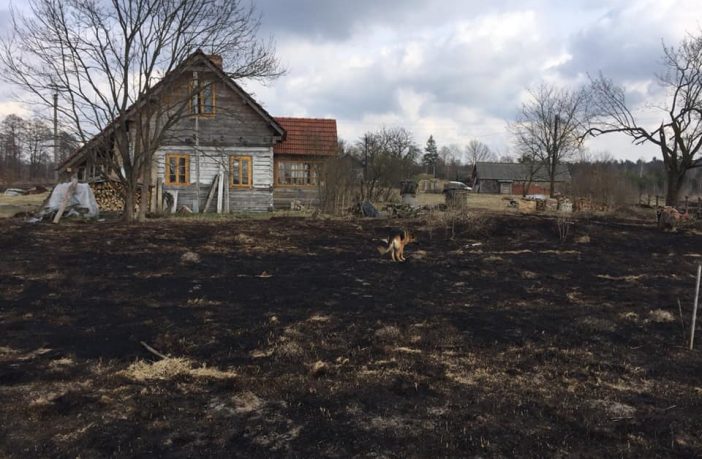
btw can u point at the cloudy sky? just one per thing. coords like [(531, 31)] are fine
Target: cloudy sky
[(457, 69)]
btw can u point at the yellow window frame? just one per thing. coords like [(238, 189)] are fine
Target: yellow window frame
[(239, 175), (177, 157)]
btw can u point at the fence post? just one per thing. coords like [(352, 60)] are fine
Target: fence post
[(656, 200), (694, 307), (686, 198)]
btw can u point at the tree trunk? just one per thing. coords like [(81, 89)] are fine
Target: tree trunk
[(145, 189), (128, 213), (673, 185)]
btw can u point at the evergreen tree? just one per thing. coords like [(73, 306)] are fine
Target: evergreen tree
[(431, 157)]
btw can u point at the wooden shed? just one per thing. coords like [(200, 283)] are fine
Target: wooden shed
[(513, 178)]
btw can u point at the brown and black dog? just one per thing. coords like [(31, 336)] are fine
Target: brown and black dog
[(396, 242), (669, 218)]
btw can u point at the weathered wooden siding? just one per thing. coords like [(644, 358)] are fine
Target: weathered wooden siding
[(235, 122), (282, 197), (257, 198), (493, 187)]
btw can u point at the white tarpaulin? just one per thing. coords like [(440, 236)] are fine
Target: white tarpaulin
[(83, 199)]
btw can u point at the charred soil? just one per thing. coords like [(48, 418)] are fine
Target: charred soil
[(292, 337)]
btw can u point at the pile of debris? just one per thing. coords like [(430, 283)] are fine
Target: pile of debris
[(397, 210), (25, 191), (71, 199), (560, 204)]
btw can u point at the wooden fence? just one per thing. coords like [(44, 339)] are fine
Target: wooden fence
[(690, 205)]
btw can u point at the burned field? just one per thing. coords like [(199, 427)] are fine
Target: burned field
[(292, 337)]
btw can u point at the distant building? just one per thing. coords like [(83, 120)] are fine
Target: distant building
[(513, 178)]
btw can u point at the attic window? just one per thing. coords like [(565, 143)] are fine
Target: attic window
[(203, 100)]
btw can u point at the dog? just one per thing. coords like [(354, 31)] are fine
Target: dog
[(396, 242), (669, 218)]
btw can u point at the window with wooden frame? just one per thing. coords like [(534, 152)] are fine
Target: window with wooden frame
[(240, 172), (203, 101), (297, 173), (177, 169)]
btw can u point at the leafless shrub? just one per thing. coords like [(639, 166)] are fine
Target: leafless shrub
[(563, 226), (459, 223), (339, 186)]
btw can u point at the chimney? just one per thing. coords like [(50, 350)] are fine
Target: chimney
[(217, 60)]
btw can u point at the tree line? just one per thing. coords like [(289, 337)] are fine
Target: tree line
[(27, 150), (387, 156)]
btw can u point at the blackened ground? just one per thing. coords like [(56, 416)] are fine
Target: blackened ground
[(493, 339)]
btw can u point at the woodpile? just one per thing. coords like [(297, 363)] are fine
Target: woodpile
[(110, 196)]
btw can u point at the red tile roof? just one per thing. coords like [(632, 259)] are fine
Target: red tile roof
[(307, 136)]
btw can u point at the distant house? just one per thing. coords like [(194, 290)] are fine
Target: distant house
[(298, 159), (512, 178)]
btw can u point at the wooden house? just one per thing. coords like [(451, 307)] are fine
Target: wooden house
[(226, 140), (512, 178)]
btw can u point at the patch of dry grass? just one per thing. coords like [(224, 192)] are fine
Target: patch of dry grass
[(388, 333), (172, 367), (661, 316)]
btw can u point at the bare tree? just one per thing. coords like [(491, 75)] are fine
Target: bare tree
[(476, 151), (679, 136), (388, 157), (37, 136), (12, 134), (450, 157), (104, 58), (551, 125)]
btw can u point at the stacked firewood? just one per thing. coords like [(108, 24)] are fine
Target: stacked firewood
[(110, 196)]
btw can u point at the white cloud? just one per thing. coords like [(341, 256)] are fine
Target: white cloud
[(459, 70)]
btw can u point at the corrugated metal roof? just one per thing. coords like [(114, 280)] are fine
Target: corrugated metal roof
[(517, 171), (307, 136)]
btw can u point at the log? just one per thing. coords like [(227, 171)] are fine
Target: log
[(159, 195), (694, 307), (220, 190), (210, 195), (152, 350)]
